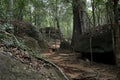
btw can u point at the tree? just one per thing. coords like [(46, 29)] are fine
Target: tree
[(20, 8), (78, 9), (116, 32), (42, 13), (76, 22), (11, 9), (93, 12)]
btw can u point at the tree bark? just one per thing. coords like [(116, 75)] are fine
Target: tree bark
[(93, 12), (76, 22), (57, 21), (116, 32)]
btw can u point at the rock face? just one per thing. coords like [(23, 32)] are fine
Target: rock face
[(101, 46), (100, 42), (32, 44), (50, 32), (13, 69)]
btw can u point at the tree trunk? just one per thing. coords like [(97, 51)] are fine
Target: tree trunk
[(57, 21), (76, 23), (35, 16), (83, 17), (117, 32), (58, 26), (93, 12), (0, 8), (20, 15), (11, 9)]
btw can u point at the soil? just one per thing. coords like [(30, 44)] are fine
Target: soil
[(78, 69)]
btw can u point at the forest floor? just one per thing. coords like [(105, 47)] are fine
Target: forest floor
[(78, 69)]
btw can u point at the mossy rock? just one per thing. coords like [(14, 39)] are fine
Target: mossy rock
[(65, 45), (101, 42), (13, 69), (32, 43)]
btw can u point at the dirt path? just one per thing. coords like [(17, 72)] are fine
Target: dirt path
[(78, 69)]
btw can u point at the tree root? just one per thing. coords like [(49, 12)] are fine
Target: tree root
[(52, 64)]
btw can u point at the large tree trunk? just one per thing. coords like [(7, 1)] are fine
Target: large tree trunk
[(117, 32), (83, 16), (76, 23), (115, 7)]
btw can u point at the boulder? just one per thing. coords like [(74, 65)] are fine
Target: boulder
[(100, 43), (32, 44), (13, 69), (50, 32)]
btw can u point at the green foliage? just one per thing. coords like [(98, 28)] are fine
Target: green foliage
[(6, 26), (103, 11), (8, 38), (41, 13)]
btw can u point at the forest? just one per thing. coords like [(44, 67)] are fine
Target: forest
[(59, 40)]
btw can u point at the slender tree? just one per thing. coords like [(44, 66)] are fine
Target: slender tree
[(93, 12), (57, 20), (11, 9)]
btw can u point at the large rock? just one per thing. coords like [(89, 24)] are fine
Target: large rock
[(100, 42), (50, 32), (32, 44), (13, 69)]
